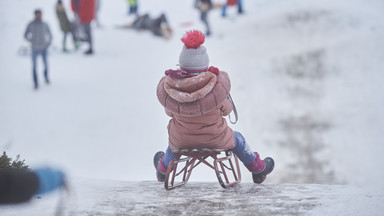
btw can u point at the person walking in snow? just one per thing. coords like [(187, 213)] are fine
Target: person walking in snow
[(196, 97), (85, 12), (132, 7), (97, 16), (66, 26), (204, 6), (40, 37), (232, 3)]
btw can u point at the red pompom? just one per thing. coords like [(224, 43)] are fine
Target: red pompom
[(214, 70), (193, 39)]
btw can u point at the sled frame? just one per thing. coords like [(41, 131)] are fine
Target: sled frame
[(188, 159)]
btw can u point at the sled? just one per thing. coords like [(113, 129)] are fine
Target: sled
[(223, 161)]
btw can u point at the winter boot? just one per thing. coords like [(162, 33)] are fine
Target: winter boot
[(46, 76), (47, 80), (89, 51), (257, 166), (260, 177), (159, 166), (240, 10)]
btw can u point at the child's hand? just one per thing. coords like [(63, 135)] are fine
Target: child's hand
[(226, 107)]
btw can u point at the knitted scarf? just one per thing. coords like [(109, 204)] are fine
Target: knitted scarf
[(181, 74)]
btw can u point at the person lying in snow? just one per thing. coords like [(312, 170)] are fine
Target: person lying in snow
[(196, 97), (158, 26)]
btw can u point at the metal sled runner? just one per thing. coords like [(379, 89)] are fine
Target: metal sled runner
[(223, 161)]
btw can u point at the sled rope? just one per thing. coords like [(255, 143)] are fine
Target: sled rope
[(234, 110)]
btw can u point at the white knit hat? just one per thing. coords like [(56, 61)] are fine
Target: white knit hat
[(193, 56)]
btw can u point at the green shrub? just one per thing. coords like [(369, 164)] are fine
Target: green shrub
[(7, 162)]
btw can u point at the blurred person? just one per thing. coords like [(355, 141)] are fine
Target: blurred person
[(158, 26), (232, 3), (97, 9), (85, 12), (40, 37), (66, 26), (204, 6), (196, 97), (132, 7), (18, 186)]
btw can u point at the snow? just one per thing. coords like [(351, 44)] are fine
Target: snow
[(306, 81), (109, 197)]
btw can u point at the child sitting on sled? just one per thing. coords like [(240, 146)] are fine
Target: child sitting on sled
[(196, 97)]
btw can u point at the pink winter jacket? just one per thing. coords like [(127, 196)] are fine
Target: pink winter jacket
[(197, 106)]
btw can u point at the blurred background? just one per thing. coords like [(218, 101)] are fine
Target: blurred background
[(306, 80)]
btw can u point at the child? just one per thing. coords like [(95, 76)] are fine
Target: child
[(196, 98)]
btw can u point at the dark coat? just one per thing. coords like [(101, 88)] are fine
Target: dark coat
[(65, 24), (154, 25), (17, 186)]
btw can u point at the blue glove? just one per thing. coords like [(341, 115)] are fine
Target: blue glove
[(49, 179)]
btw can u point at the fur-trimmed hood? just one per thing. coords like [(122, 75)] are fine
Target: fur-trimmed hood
[(195, 95)]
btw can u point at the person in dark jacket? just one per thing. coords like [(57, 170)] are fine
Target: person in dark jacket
[(40, 37), (18, 186), (158, 26), (65, 25), (204, 6)]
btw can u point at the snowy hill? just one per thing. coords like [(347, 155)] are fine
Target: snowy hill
[(306, 80), (103, 197)]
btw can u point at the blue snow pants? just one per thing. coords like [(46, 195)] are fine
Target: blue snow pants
[(43, 54)]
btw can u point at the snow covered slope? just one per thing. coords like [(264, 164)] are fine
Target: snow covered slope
[(306, 80), (106, 197)]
